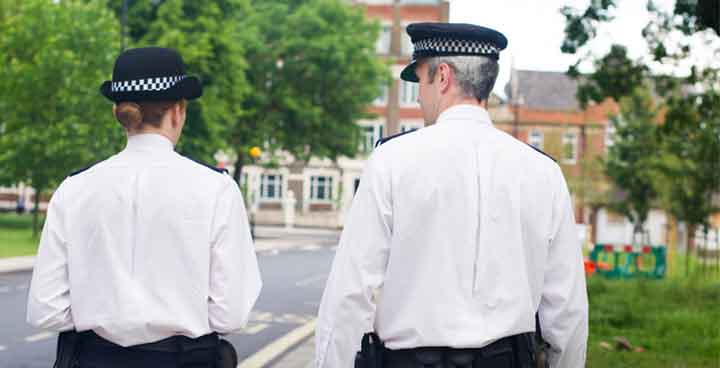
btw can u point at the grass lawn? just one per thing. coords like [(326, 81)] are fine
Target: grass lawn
[(16, 235), (676, 321)]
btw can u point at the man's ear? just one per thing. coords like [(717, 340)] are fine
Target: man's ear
[(445, 77)]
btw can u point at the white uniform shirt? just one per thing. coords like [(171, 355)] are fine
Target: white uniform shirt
[(457, 235), (145, 245)]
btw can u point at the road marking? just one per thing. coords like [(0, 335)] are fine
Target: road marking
[(4, 289), (40, 336), (21, 287), (278, 347), (255, 328), (311, 280), (261, 316), (311, 247), (3, 348), (293, 318)]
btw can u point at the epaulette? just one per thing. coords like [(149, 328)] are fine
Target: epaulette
[(213, 168), (81, 170), (380, 142), (541, 152)]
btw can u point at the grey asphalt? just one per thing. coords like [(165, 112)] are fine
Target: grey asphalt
[(293, 283)]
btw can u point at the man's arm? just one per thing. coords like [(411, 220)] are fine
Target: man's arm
[(347, 309), (234, 275), (49, 296), (564, 305)]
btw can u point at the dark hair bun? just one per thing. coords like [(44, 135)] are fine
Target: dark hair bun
[(129, 115)]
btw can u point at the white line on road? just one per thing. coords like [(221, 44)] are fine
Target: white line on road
[(252, 330), (40, 336), (311, 280), (4, 289), (21, 287), (279, 346), (3, 348)]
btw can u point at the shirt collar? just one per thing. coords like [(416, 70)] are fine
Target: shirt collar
[(465, 113), (149, 142)]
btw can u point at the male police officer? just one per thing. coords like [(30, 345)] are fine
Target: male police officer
[(147, 254), (459, 234)]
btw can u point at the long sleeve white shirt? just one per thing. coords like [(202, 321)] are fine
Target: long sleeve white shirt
[(457, 236), (145, 245)]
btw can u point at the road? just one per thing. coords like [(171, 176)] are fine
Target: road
[(293, 281)]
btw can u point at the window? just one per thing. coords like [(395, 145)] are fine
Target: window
[(371, 134), (408, 127), (406, 46), (409, 93), (382, 46), (321, 188), (609, 134), (536, 139), (569, 143), (381, 100), (271, 187)]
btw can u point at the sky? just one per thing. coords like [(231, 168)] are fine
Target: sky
[(534, 29)]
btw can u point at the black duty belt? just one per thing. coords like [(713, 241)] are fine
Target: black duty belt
[(173, 344), (513, 351)]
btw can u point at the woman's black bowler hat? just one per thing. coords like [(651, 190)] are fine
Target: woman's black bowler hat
[(150, 74)]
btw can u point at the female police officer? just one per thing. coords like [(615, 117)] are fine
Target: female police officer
[(147, 254)]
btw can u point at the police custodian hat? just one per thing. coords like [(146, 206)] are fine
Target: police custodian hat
[(451, 39), (151, 74)]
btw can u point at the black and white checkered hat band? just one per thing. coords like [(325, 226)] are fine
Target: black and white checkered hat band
[(445, 45), (147, 84)]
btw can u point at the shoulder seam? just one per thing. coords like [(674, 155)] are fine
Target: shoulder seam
[(382, 141), (213, 168)]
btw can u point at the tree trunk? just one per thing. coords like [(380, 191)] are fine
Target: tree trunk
[(36, 211), (594, 224), (237, 172), (690, 244)]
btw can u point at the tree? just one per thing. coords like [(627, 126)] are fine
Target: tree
[(689, 160), (55, 55), (290, 75), (629, 161), (212, 37), (684, 170), (313, 73)]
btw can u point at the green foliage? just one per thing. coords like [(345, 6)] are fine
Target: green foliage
[(291, 75), (615, 76), (580, 27), (685, 152), (689, 160), (211, 36), (55, 55), (629, 162), (313, 72)]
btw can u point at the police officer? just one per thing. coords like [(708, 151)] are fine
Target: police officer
[(458, 235), (148, 254)]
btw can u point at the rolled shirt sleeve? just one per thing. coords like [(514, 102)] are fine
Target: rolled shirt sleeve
[(49, 295), (235, 281), (564, 305), (347, 309)]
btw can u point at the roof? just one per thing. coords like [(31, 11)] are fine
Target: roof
[(543, 90)]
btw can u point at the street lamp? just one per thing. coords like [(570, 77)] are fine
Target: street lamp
[(255, 153)]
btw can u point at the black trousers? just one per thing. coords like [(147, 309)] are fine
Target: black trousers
[(176, 352)]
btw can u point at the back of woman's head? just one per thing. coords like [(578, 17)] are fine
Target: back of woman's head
[(135, 115)]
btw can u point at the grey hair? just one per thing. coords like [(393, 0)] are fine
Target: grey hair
[(475, 75)]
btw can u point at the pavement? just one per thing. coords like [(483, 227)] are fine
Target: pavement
[(280, 329)]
